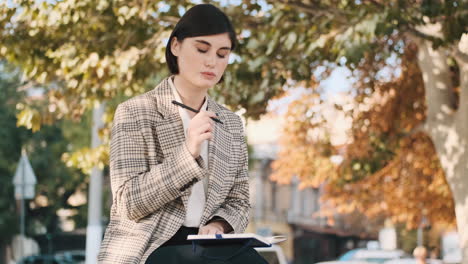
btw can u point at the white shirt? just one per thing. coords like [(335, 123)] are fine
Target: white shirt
[(197, 198)]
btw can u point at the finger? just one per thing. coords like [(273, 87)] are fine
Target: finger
[(205, 128), (211, 114), (210, 127), (198, 139), (205, 136), (195, 131), (202, 231), (203, 119), (207, 114), (209, 120), (200, 119), (212, 231)]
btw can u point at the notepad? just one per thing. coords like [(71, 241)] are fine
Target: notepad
[(223, 239)]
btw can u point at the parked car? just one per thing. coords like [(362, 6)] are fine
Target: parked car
[(368, 256), (273, 254), (345, 262), (64, 257), (72, 256), (412, 261), (42, 259)]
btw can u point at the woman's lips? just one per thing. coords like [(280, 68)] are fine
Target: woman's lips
[(208, 75)]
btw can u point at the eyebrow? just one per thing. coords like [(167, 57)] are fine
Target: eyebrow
[(209, 44)]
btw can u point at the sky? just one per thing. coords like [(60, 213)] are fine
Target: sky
[(338, 82)]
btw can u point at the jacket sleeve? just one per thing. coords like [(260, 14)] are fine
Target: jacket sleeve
[(138, 189), (235, 209)]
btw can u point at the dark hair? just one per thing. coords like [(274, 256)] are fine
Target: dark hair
[(200, 20)]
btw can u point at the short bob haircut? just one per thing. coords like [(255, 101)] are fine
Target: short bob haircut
[(200, 20)]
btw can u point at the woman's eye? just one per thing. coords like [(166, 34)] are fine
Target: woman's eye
[(222, 56)]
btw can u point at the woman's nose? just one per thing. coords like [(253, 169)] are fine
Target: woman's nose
[(210, 60)]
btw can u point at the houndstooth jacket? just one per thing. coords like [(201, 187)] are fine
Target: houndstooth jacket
[(151, 173)]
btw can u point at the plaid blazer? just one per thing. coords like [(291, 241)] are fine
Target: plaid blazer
[(151, 173)]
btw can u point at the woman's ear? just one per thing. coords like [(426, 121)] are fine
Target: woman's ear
[(175, 46)]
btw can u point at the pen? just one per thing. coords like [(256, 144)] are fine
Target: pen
[(193, 110)]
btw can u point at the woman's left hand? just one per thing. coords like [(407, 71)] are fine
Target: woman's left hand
[(211, 229)]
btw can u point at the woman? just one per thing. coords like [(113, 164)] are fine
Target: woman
[(420, 254), (175, 172)]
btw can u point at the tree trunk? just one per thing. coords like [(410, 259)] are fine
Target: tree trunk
[(448, 128)]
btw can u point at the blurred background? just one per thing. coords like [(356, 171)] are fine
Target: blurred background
[(356, 116)]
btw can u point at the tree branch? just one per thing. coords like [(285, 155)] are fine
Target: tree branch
[(170, 19), (318, 11), (26, 85), (459, 55), (422, 35), (375, 3)]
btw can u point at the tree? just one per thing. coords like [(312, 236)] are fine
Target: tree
[(10, 150), (56, 182), (97, 50), (93, 51), (390, 167), (404, 131)]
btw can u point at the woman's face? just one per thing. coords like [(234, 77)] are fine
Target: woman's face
[(202, 60)]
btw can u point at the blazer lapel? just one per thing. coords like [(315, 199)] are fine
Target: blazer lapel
[(219, 157), (169, 129)]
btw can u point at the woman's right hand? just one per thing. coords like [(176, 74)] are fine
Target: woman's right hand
[(200, 129)]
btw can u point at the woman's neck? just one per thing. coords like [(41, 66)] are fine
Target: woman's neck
[(190, 94)]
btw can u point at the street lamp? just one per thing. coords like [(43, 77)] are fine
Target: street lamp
[(24, 182)]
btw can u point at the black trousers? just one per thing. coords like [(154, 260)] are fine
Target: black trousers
[(179, 250)]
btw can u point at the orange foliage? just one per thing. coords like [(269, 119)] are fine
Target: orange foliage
[(410, 186), (296, 157), (391, 168)]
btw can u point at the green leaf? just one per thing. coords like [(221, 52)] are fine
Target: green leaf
[(29, 118)]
